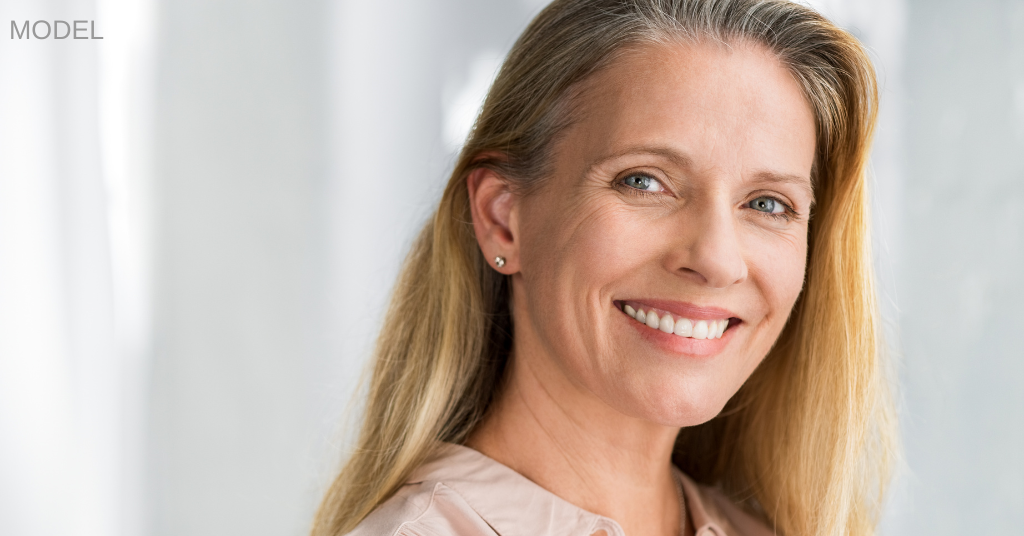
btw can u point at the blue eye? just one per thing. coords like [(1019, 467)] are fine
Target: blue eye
[(643, 182), (767, 205)]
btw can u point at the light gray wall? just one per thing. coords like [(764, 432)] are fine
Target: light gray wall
[(240, 180), (960, 284)]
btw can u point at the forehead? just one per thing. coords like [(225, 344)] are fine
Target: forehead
[(719, 108)]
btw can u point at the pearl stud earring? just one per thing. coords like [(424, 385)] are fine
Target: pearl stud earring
[(499, 261)]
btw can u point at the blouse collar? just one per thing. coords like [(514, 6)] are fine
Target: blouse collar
[(515, 506)]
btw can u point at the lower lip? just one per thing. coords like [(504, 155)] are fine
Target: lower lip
[(687, 346)]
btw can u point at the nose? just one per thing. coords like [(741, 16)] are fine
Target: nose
[(709, 249)]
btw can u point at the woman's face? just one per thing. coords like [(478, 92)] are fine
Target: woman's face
[(683, 191)]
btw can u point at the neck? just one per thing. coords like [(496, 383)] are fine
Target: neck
[(572, 444)]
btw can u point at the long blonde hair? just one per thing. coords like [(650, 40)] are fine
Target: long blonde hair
[(807, 441)]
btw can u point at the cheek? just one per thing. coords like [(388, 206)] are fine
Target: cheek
[(570, 271), (578, 249), (777, 264)]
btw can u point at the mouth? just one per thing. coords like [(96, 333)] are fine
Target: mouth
[(700, 323)]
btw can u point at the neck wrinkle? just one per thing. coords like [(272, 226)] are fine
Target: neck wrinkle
[(582, 450)]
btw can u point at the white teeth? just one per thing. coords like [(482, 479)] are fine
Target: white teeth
[(700, 330), (652, 320), (713, 329), (684, 328)]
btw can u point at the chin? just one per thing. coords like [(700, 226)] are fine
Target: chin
[(673, 401)]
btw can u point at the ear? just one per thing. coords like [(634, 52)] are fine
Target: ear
[(494, 211)]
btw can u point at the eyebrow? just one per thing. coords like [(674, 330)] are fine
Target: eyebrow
[(786, 178), (682, 160), (672, 155)]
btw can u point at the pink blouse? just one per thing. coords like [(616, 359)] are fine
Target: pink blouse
[(462, 493)]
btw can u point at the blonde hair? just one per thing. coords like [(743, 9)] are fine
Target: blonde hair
[(807, 441)]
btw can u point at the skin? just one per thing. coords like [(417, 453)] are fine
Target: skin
[(592, 403)]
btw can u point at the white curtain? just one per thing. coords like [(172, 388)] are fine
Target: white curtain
[(72, 272)]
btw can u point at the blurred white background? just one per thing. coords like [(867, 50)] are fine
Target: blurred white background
[(201, 216)]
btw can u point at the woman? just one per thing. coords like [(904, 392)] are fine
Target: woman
[(645, 304)]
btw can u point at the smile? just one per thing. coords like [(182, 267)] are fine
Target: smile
[(677, 325)]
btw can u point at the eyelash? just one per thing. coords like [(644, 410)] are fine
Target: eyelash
[(787, 214), (635, 191), (622, 182)]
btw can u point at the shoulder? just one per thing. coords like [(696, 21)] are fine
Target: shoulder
[(423, 509), (714, 514), (462, 492)]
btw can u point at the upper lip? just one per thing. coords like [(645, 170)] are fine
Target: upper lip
[(686, 310)]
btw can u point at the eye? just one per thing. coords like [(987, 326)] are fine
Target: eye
[(767, 205), (643, 182)]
